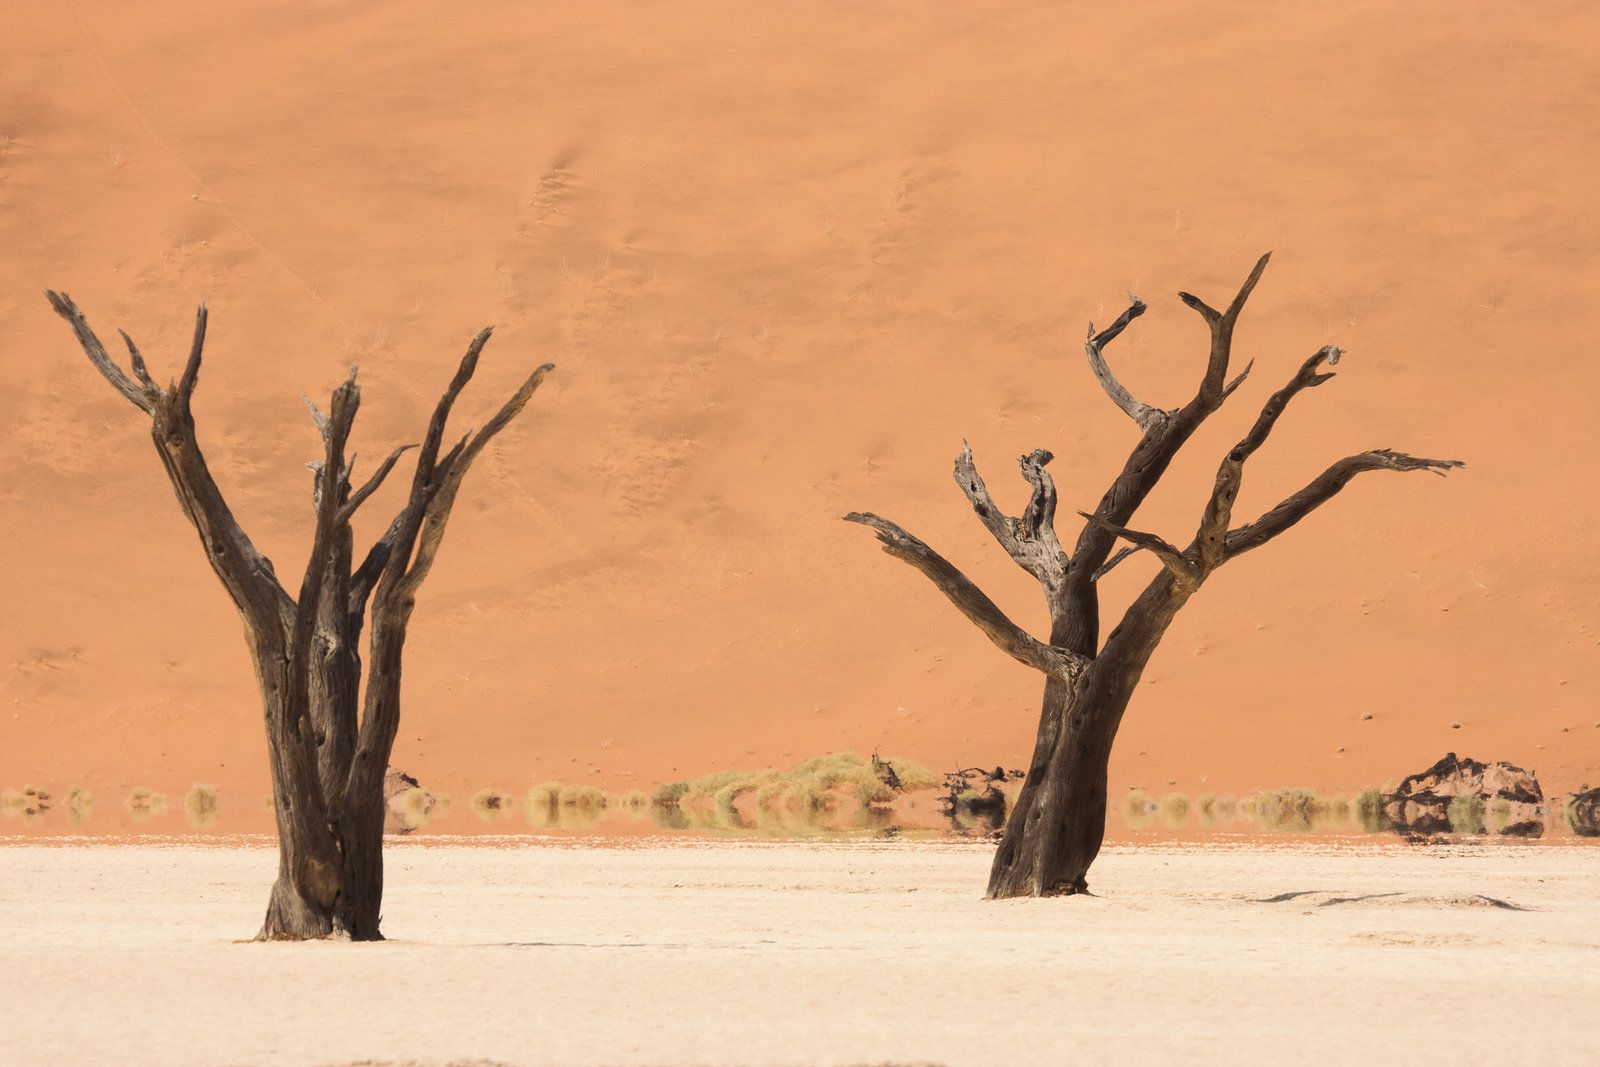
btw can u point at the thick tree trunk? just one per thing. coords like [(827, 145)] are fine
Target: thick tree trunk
[(1059, 821), (1050, 837)]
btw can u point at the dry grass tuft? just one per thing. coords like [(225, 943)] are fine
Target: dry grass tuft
[(146, 804), (1136, 809), (543, 804), (1334, 810), (491, 804), (1501, 812), (584, 798), (29, 803), (200, 805), (80, 805), (1174, 810), (634, 804), (1286, 810), (416, 807)]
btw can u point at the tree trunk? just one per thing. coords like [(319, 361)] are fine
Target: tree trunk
[(1047, 845)]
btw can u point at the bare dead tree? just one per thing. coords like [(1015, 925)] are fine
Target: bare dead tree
[(1056, 827), (328, 741)]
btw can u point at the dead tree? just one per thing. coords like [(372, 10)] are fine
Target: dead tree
[(328, 741), (1055, 830)]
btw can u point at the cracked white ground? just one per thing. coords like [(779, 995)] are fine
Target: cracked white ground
[(764, 953)]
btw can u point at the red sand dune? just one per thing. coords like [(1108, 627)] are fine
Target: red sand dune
[(785, 257)]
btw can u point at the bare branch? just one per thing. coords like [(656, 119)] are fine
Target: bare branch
[(359, 497), (1226, 393), (392, 554), (1141, 413), (96, 352), (994, 520), (191, 369), (459, 462), (139, 369), (1147, 463), (1038, 520), (1322, 489), (1121, 554), (317, 417), (972, 602), (1029, 540), (1230, 473), (1221, 324), (1172, 559), (245, 573)]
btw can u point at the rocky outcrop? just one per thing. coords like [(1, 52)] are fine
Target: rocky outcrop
[(1583, 812), (407, 806), (1465, 796)]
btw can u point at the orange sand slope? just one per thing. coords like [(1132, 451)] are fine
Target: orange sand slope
[(785, 258)]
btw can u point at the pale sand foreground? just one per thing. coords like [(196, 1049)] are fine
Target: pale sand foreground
[(808, 954)]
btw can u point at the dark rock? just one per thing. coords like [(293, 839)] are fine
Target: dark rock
[(1462, 795)]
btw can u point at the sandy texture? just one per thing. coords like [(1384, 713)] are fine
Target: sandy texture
[(750, 954), (785, 257)]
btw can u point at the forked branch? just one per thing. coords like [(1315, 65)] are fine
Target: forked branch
[(140, 396), (1171, 558), (1030, 540), (972, 602), (1094, 346), (449, 478), (1212, 388), (245, 572)]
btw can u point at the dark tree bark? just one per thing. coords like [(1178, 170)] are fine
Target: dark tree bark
[(328, 743), (1055, 829)]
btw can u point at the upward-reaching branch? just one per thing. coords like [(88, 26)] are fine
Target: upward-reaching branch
[(245, 573), (1031, 540), (1221, 323), (1146, 416), (1219, 509), (449, 478), (1147, 463), (137, 395)]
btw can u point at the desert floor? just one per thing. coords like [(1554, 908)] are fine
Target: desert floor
[(797, 954)]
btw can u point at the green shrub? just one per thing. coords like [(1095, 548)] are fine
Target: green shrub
[(1370, 815), (1501, 811), (671, 794), (1466, 814)]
